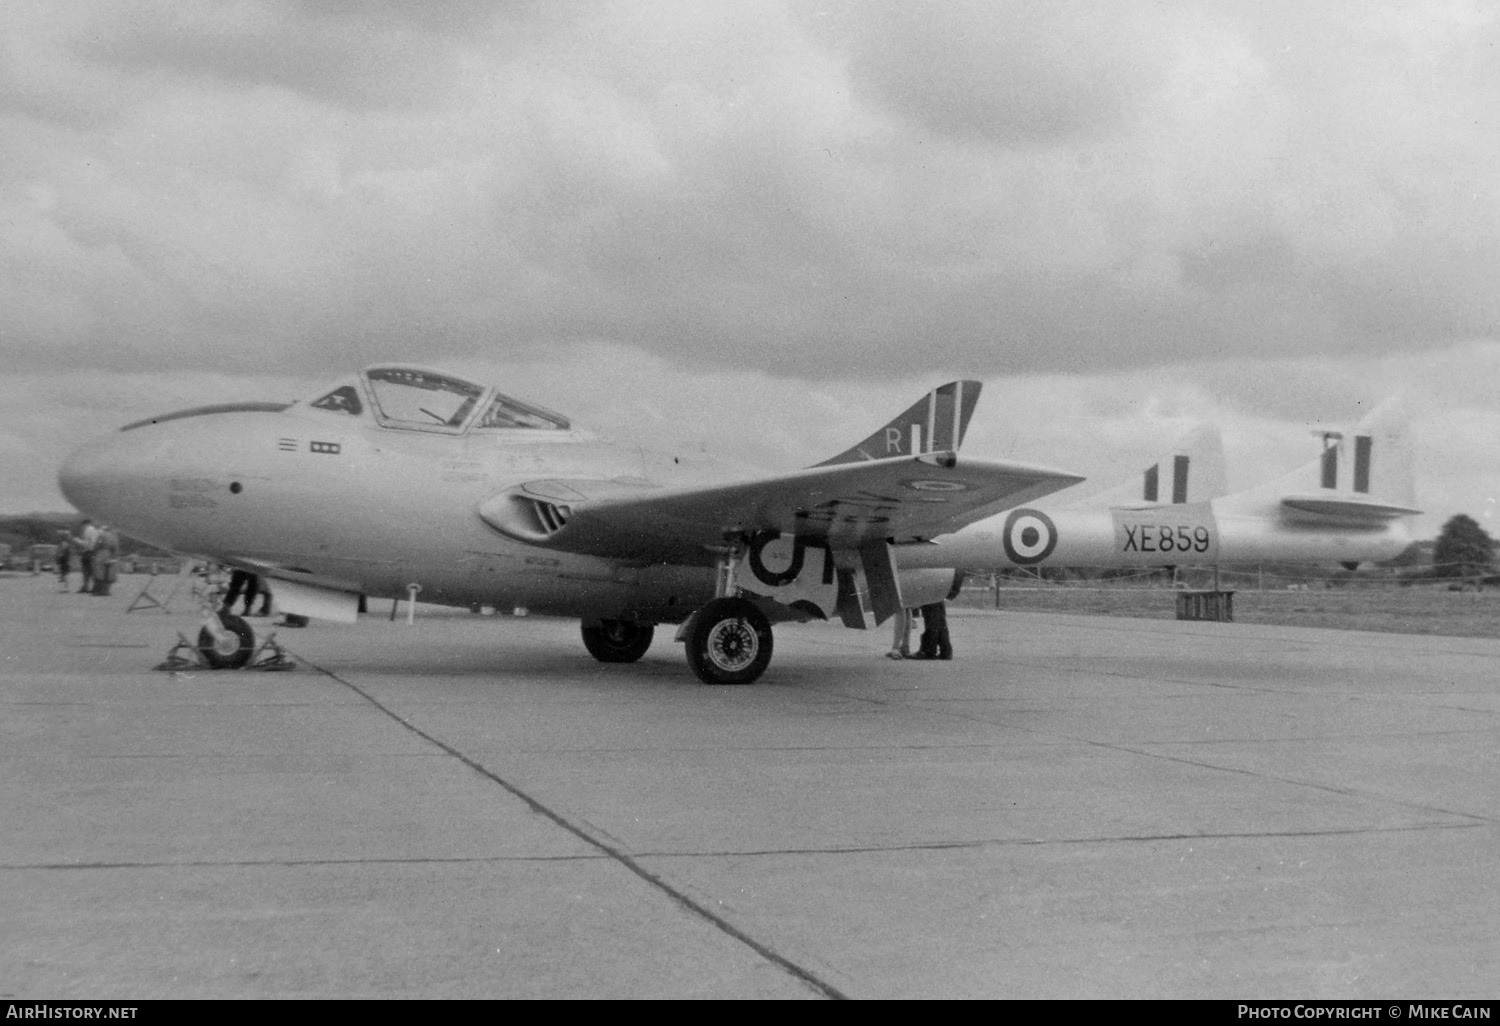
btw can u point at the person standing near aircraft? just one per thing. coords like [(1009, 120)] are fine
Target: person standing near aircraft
[(264, 591), (935, 642), (243, 582), (63, 559), (901, 639), (106, 549), (88, 537)]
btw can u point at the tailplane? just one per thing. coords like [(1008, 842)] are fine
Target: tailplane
[(935, 423), (1363, 478)]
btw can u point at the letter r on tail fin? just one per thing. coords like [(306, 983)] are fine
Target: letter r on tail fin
[(935, 423)]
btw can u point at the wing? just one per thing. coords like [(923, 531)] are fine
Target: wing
[(904, 498)]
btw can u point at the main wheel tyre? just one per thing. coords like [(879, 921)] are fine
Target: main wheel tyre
[(730, 642), (231, 651), (617, 641)]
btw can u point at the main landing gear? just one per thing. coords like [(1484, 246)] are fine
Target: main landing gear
[(729, 642), (617, 641)]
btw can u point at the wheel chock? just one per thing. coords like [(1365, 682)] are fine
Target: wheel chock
[(270, 656), (175, 659)]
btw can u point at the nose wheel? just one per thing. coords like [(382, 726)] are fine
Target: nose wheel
[(230, 648), (729, 642)]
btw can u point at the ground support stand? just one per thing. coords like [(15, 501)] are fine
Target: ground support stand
[(146, 600)]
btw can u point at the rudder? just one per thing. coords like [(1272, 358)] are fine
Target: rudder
[(935, 423)]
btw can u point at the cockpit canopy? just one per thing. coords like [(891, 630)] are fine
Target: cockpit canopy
[(417, 399)]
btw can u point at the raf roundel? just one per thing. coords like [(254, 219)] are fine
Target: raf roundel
[(927, 485), (1029, 536)]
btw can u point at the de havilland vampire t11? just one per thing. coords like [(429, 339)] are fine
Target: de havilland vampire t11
[(405, 480), (1351, 504)]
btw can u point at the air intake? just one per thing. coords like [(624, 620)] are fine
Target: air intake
[(524, 517), (550, 517)]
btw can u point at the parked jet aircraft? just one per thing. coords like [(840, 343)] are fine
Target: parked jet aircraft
[(403, 478), (1350, 505)]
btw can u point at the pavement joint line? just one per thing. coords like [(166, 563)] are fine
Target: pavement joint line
[(1294, 782), (1254, 631), (1122, 675), (1347, 792), (853, 849), (1324, 738), (678, 896), (1034, 842), (1144, 753), (297, 863)]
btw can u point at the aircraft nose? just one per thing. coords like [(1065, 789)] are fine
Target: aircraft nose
[(81, 477), (108, 478)]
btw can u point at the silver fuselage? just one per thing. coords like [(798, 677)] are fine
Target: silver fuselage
[(1210, 533), (376, 510)]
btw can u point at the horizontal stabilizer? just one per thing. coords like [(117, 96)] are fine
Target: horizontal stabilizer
[(1354, 512), (1361, 478)]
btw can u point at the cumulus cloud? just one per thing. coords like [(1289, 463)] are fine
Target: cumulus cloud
[(849, 189)]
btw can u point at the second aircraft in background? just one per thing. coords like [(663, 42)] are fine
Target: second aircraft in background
[(1351, 504)]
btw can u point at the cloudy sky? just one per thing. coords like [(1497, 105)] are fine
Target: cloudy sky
[(764, 226)]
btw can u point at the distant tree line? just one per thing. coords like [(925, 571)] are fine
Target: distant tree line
[(1463, 550), (25, 530)]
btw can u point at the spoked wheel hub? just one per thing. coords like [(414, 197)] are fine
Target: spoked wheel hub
[(732, 645), (729, 642)]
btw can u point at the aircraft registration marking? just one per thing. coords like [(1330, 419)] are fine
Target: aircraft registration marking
[(1165, 538), (1170, 531)]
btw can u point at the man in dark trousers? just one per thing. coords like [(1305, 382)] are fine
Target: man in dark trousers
[(243, 581), (935, 643)]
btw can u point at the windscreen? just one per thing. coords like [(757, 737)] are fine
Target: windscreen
[(407, 397)]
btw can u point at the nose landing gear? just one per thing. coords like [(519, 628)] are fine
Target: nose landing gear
[(225, 641), (228, 648)]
